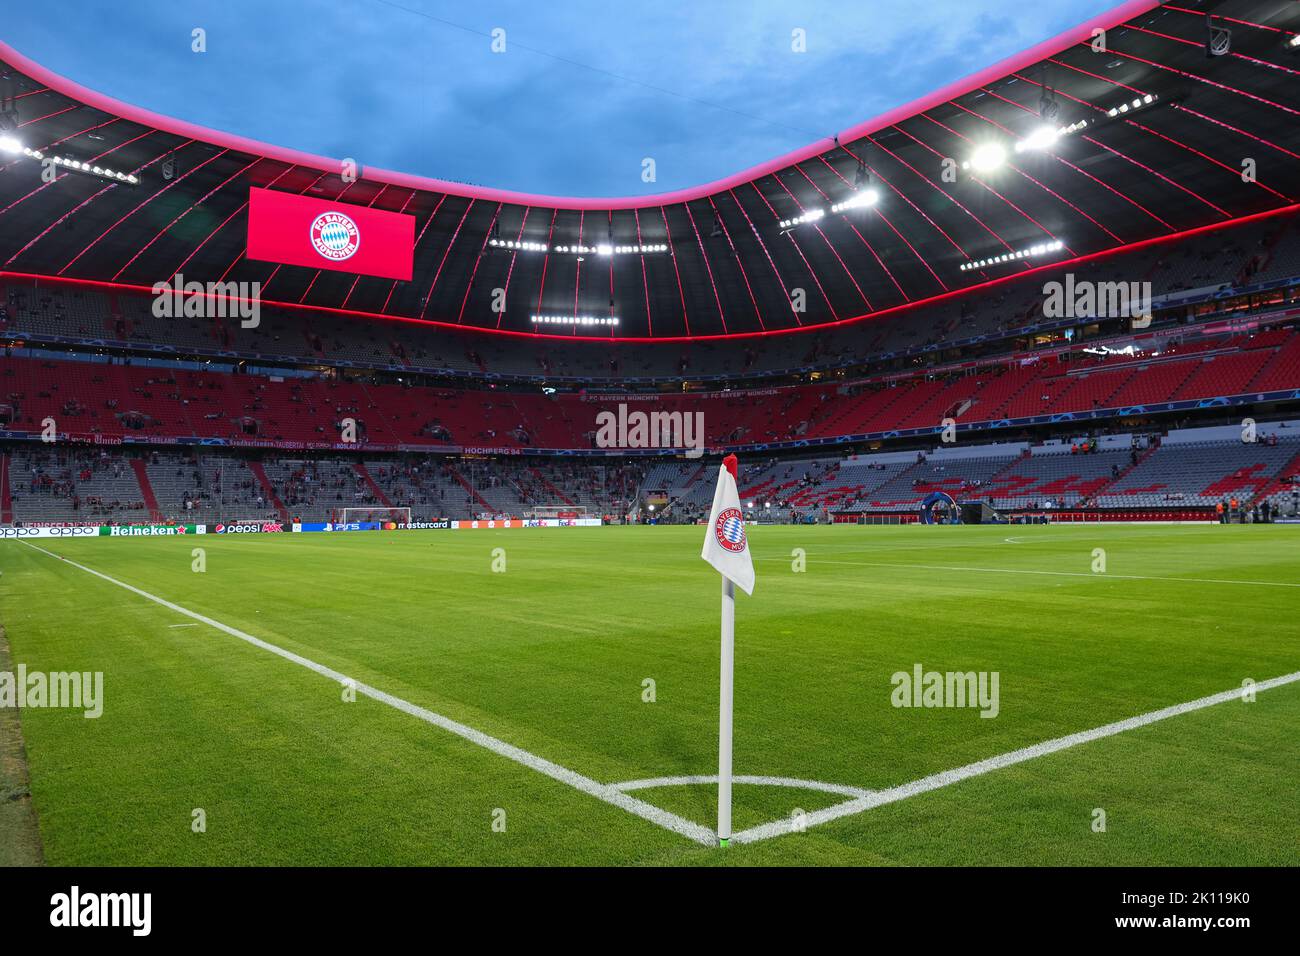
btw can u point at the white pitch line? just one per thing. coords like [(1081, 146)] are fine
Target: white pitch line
[(182, 625), (794, 783), (669, 821), (948, 777), (1101, 576)]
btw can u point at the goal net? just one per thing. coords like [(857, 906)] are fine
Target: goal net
[(376, 513)]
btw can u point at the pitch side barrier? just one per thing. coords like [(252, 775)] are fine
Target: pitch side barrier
[(276, 527)]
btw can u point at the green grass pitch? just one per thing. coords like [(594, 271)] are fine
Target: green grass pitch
[(551, 656)]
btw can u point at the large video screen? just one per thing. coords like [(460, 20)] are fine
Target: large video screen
[(301, 231)]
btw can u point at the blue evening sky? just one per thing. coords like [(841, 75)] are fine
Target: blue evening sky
[(583, 92)]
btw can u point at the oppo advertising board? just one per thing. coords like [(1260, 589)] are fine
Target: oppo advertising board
[(302, 231), (103, 531), (79, 531)]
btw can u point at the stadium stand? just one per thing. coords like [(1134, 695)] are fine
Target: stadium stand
[(73, 484), (1188, 470), (1054, 473), (121, 400), (1207, 262), (961, 473), (361, 393)]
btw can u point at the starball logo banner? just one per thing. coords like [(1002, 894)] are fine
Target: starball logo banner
[(301, 231)]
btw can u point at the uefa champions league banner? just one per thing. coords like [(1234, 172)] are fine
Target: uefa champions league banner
[(302, 231)]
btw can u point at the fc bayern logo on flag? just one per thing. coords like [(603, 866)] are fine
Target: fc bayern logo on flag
[(334, 236), (730, 530)]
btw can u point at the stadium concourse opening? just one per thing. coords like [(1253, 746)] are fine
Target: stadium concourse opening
[(376, 503)]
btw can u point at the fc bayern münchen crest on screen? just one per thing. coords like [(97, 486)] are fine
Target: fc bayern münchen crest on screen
[(730, 529), (335, 236)]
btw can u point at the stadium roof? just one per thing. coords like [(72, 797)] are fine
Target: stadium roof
[(1168, 129)]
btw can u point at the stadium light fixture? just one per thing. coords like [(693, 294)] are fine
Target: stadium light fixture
[(1132, 106), (859, 200), (1047, 135), (1044, 137), (812, 215), (860, 176), (1218, 40), (1293, 43), (864, 197), (574, 320), (92, 169), (986, 158), (1041, 249), (517, 245), (8, 144), (606, 249)]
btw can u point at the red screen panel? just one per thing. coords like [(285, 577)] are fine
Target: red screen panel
[(301, 231)]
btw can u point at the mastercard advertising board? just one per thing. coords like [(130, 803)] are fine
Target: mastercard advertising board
[(302, 231)]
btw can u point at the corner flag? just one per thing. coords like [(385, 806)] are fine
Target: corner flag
[(726, 547), (725, 544)]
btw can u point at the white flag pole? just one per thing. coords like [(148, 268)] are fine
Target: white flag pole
[(724, 709)]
